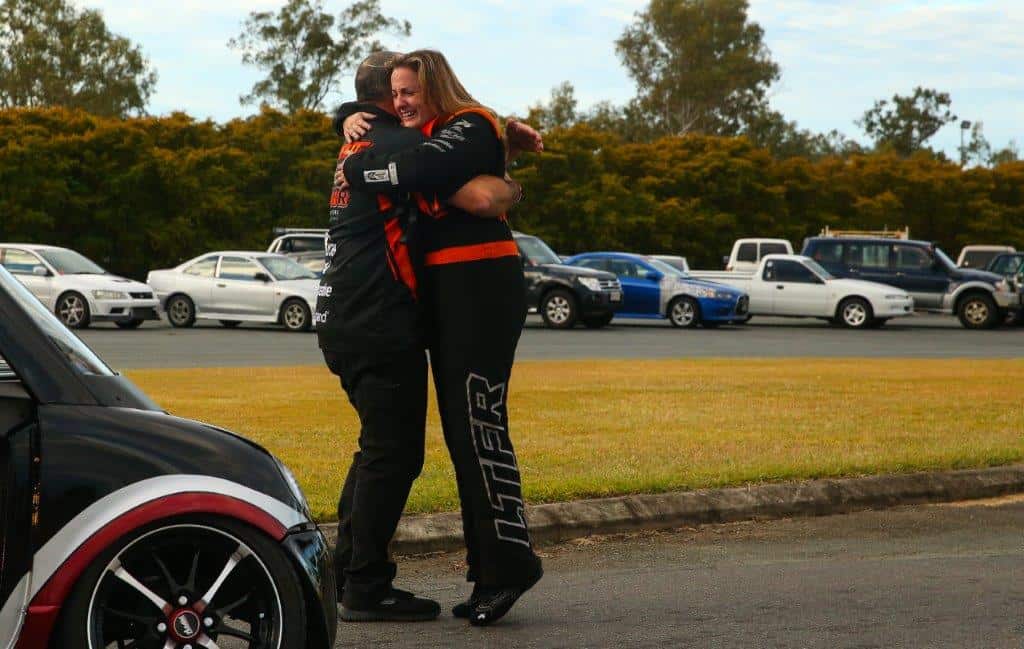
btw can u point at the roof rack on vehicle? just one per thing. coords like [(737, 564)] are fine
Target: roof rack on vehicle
[(882, 234), (279, 231)]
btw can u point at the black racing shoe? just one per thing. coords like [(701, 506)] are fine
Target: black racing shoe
[(493, 603), (463, 609), (398, 606)]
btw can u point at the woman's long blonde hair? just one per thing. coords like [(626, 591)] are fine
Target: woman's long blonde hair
[(442, 90)]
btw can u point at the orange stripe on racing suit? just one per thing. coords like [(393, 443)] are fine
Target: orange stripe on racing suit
[(475, 252), (399, 259)]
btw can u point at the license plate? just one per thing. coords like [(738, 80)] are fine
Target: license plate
[(616, 296)]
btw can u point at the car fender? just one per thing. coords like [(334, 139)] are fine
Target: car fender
[(951, 300), (58, 564)]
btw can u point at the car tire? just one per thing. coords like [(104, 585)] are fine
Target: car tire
[(230, 324), (182, 558), (295, 315), (559, 310), (854, 313), (73, 310), (181, 311), (597, 321), (684, 312), (129, 324), (977, 311)]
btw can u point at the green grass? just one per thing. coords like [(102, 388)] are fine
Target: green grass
[(598, 428)]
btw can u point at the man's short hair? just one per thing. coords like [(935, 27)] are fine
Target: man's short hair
[(373, 78)]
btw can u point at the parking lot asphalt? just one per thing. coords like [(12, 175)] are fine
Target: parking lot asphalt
[(923, 577), (210, 345)]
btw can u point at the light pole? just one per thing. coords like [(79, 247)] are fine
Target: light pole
[(964, 125)]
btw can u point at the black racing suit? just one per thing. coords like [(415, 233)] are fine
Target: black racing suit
[(473, 295), (370, 331)]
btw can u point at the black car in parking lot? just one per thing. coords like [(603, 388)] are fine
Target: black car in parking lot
[(981, 300), (565, 295), (124, 526)]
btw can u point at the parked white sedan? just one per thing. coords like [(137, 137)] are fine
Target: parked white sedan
[(77, 290), (235, 287)]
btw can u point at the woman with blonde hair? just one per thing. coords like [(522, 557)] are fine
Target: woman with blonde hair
[(473, 293)]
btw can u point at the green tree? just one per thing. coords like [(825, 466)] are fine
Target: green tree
[(558, 112), (770, 129), (304, 51), (1009, 153), (700, 66), (906, 123), (52, 54)]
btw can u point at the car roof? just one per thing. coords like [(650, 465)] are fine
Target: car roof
[(34, 246), (912, 242), (628, 255)]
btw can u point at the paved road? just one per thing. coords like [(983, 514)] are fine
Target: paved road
[(924, 577), (158, 345)]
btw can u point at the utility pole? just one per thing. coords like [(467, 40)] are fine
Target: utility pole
[(964, 125)]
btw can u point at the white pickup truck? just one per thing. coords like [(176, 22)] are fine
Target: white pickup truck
[(797, 286)]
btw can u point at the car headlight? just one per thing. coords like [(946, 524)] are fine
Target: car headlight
[(701, 291), (289, 477), (1002, 286), (896, 296), (591, 283), (109, 295)]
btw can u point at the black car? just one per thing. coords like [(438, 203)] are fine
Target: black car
[(124, 526), (979, 299), (1011, 266), (565, 295)]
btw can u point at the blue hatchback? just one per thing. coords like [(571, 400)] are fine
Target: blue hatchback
[(653, 289)]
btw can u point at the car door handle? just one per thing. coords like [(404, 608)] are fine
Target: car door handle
[(222, 285), (779, 286)]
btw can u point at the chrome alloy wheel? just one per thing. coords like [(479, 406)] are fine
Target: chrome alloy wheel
[(295, 316), (185, 586), (71, 310), (179, 311), (976, 312), (558, 309), (854, 314), (683, 313)]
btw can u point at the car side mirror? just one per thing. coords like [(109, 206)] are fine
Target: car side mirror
[(40, 271), (725, 260), (261, 277), (654, 276)]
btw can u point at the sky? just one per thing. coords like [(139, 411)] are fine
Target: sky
[(837, 57)]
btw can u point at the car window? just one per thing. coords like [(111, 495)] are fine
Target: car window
[(794, 272), (69, 262), (597, 264), (626, 268), (238, 268), (20, 262), (773, 249), (747, 252), (304, 244), (868, 255), (978, 258), (911, 258), (828, 252), (203, 268)]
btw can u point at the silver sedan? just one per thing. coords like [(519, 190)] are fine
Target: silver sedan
[(235, 287)]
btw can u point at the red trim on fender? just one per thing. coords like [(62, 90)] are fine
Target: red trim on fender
[(45, 606), (474, 252)]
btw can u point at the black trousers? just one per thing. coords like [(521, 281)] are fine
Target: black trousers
[(476, 312), (390, 396)]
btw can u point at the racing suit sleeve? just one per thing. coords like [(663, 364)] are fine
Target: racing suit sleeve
[(463, 149)]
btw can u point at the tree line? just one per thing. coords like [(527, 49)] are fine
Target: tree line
[(148, 192)]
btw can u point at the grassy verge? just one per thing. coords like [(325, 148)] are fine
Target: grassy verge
[(597, 428)]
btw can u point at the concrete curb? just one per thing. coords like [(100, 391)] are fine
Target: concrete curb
[(562, 521)]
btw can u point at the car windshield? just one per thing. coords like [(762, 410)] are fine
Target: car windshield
[(537, 251), (818, 269), (5, 370), (950, 264), (1007, 265), (283, 268), (667, 269), (78, 354), (69, 262)]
